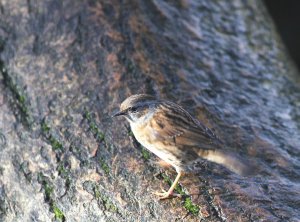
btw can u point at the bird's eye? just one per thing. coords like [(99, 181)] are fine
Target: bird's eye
[(133, 109)]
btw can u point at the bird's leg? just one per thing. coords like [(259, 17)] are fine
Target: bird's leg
[(165, 195)]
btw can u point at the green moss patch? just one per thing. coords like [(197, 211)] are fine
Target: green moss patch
[(107, 203), (52, 140), (62, 171), (145, 153), (59, 215), (187, 201), (20, 98), (104, 166), (102, 199), (99, 136), (48, 189)]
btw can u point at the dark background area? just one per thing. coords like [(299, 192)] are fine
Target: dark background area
[(286, 16)]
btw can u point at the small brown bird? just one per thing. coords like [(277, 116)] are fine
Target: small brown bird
[(171, 133)]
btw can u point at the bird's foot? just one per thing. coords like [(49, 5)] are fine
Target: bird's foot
[(166, 194)]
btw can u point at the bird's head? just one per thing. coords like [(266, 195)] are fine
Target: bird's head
[(137, 107)]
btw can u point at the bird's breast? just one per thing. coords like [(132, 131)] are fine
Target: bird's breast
[(147, 136)]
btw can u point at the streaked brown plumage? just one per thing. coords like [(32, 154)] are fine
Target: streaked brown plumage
[(172, 134)]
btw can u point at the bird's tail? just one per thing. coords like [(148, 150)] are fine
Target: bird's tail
[(231, 161)]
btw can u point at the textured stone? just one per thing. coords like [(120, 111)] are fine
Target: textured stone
[(67, 65)]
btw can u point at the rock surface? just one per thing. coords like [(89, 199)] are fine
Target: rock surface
[(67, 65)]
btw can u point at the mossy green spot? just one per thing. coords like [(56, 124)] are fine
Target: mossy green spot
[(61, 170), (48, 191), (107, 203), (18, 93), (104, 166), (97, 193), (145, 153), (58, 213), (187, 201), (100, 136), (190, 206), (48, 188), (130, 133), (21, 99), (87, 114), (45, 128), (56, 145), (49, 196)]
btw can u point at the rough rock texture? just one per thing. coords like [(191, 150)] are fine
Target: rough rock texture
[(67, 65)]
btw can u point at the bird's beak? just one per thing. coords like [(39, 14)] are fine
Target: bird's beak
[(120, 113)]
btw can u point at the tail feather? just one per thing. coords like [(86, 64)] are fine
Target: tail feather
[(231, 161)]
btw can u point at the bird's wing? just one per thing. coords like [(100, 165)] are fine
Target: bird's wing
[(177, 127)]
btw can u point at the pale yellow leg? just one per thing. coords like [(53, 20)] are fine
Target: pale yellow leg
[(167, 194)]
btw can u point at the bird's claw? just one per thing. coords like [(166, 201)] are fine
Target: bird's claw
[(163, 195), (166, 195)]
